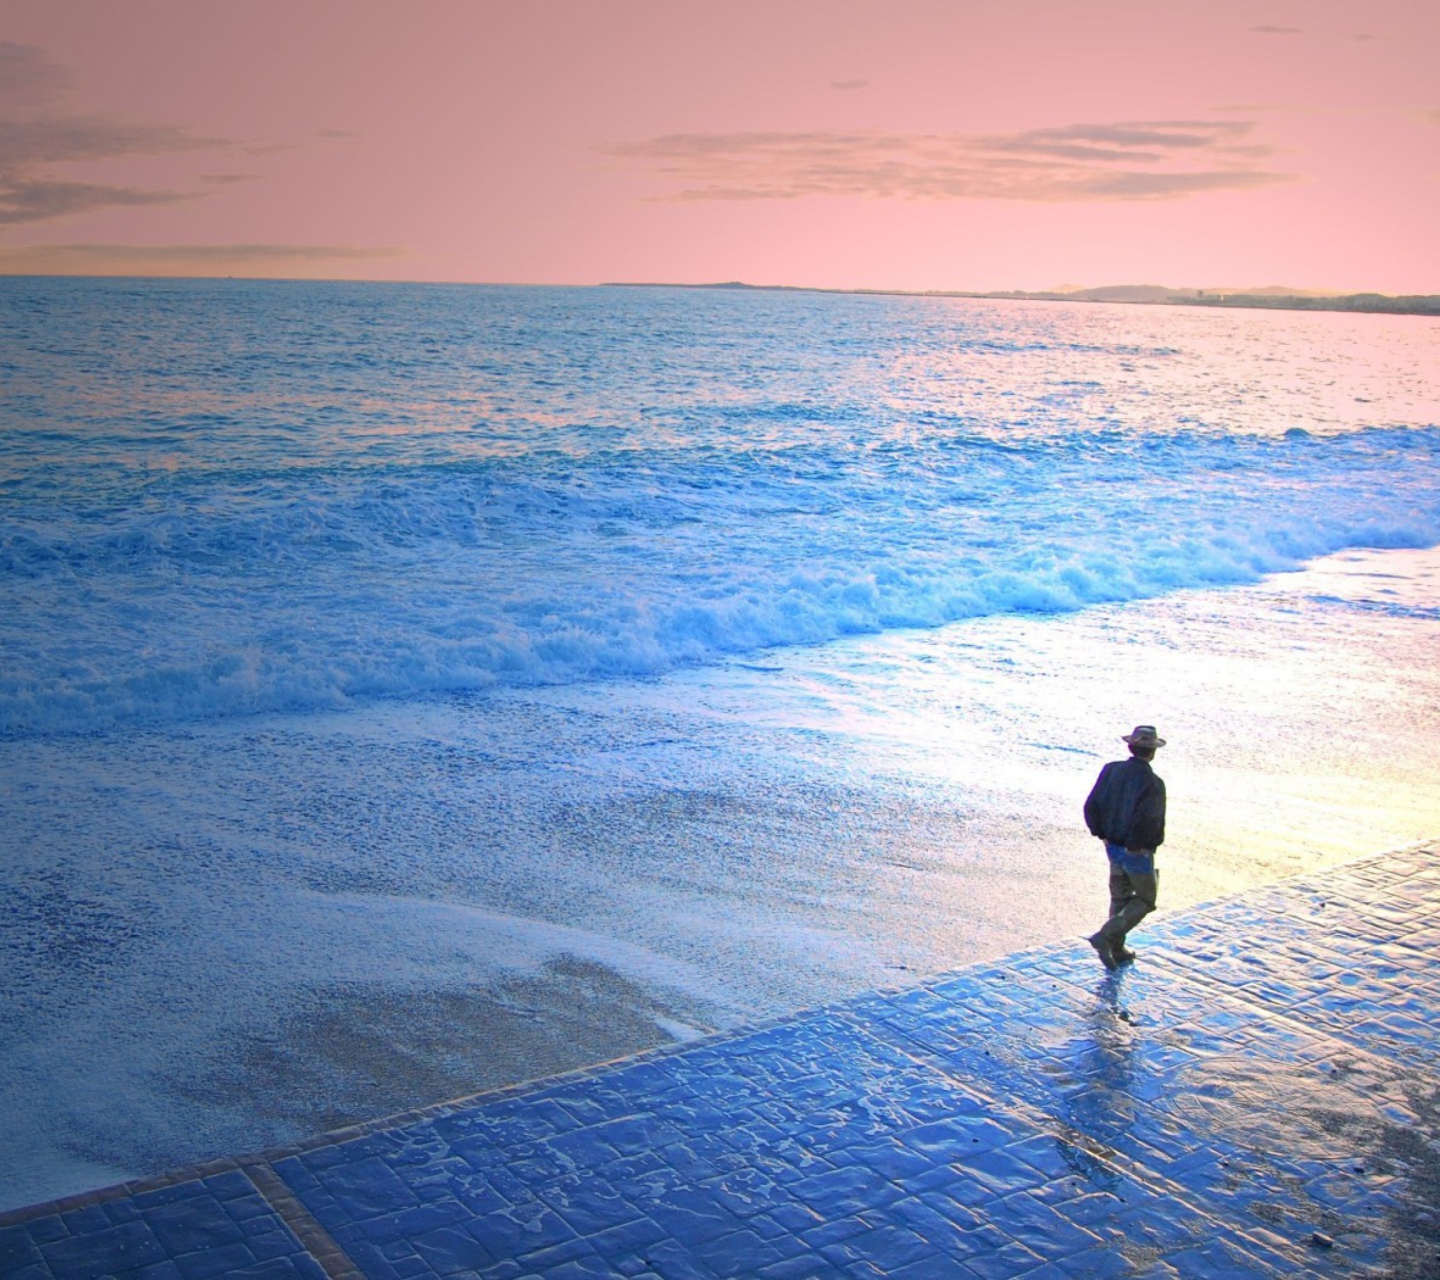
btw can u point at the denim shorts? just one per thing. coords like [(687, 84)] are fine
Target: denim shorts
[(1136, 862)]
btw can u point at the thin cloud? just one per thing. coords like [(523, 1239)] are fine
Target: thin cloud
[(848, 84), (275, 146), (1265, 29), (37, 200), (1131, 160), (29, 79), (28, 144), (187, 259), (37, 133), (1254, 108)]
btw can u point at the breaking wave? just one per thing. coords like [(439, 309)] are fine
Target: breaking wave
[(157, 567)]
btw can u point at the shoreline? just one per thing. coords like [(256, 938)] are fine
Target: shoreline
[(675, 1047), (1036, 1095)]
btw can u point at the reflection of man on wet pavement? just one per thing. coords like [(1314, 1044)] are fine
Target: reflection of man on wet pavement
[(1126, 809)]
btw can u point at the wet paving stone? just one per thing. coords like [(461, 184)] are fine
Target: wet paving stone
[(1259, 1095), (215, 1226)]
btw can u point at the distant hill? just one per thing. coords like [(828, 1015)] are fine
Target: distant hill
[(1274, 296), (1413, 304), (1271, 296)]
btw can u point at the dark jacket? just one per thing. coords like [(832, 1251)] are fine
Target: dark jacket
[(1127, 805)]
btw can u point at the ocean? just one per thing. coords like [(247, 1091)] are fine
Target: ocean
[(413, 689)]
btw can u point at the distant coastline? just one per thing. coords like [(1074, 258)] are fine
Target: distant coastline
[(1272, 297)]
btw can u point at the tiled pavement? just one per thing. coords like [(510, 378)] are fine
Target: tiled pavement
[(1258, 1096)]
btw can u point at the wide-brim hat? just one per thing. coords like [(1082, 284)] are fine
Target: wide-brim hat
[(1144, 735)]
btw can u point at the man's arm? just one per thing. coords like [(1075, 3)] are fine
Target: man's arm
[(1095, 803)]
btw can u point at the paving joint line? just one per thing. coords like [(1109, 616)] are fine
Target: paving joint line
[(317, 1242)]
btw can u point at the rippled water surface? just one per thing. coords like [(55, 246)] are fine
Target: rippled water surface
[(230, 497), (411, 689)]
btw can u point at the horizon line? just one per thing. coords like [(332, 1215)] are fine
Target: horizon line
[(1271, 295)]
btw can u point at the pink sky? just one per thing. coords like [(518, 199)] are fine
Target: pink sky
[(948, 145)]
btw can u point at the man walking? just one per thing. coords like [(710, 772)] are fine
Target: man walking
[(1126, 809)]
